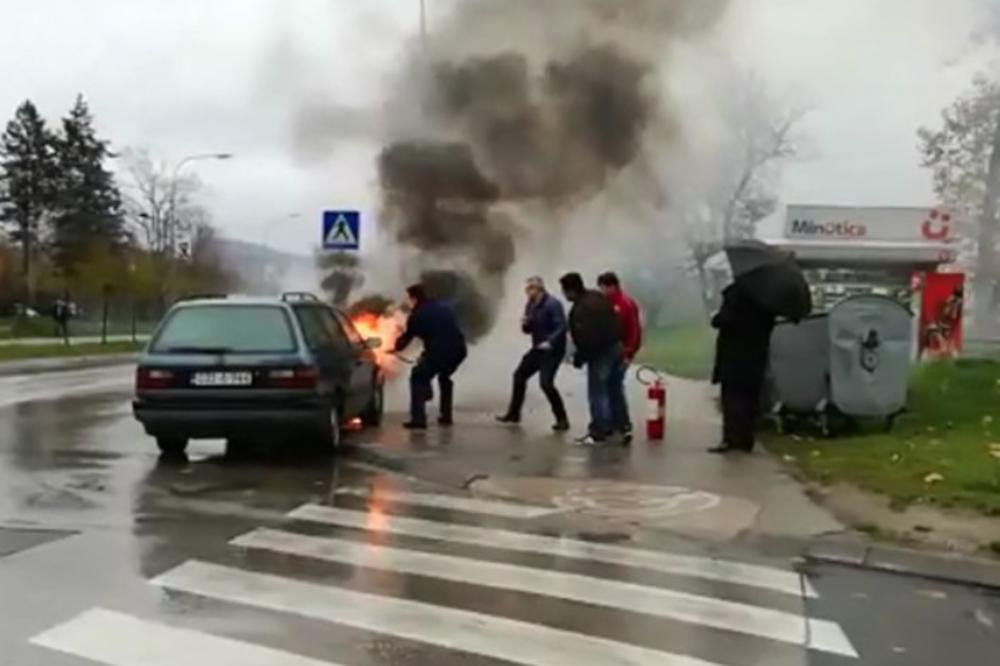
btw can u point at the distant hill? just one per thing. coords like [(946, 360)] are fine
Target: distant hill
[(266, 271)]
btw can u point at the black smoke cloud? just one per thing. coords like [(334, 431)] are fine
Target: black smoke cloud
[(549, 136), (498, 116)]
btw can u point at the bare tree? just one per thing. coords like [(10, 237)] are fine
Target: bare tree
[(964, 156), (159, 204), (741, 191)]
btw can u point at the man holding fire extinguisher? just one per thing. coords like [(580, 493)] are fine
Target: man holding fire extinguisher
[(630, 322)]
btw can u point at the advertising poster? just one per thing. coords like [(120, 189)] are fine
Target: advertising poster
[(941, 315)]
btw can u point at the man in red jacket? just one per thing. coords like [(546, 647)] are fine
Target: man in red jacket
[(631, 329)]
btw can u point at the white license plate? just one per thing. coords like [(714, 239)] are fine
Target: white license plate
[(222, 379)]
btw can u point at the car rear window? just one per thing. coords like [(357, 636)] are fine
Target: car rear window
[(232, 329)]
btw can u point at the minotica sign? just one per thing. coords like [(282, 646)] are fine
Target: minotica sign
[(809, 228), (840, 223)]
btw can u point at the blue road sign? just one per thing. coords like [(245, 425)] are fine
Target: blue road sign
[(341, 230)]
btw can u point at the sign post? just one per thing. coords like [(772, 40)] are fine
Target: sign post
[(341, 230)]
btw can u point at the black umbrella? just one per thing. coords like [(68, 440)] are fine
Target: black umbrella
[(772, 278), (748, 255)]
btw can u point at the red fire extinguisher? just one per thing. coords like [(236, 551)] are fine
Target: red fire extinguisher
[(656, 395)]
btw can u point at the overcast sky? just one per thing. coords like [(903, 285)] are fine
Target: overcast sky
[(190, 76)]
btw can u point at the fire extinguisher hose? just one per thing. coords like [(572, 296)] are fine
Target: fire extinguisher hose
[(643, 372)]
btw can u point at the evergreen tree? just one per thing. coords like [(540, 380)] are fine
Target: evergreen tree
[(27, 182), (89, 203)]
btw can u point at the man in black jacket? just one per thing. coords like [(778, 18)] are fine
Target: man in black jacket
[(596, 334), (436, 325)]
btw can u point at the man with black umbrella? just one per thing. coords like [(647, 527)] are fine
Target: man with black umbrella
[(768, 283), (741, 355)]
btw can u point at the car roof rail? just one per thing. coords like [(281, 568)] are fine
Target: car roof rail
[(289, 296), (202, 297)]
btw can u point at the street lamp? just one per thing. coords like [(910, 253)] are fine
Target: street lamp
[(172, 228), (265, 235), (131, 282), (423, 26), (172, 210)]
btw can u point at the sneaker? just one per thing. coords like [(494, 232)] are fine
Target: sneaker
[(415, 425), (445, 421), (508, 419), (627, 436), (590, 440), (561, 426)]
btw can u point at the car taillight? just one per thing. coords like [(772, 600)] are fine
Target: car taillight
[(292, 378), (152, 378)]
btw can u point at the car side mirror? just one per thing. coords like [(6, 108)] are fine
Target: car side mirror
[(373, 343)]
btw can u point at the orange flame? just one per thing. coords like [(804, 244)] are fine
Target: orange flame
[(386, 328)]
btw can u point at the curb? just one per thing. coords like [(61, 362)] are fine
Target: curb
[(958, 569), (43, 365)]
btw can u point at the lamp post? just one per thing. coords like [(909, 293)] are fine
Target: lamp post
[(131, 282), (423, 26), (172, 210), (171, 216), (265, 249), (265, 236)]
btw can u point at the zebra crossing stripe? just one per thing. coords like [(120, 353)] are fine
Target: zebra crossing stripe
[(474, 633), (116, 639), (680, 606), (723, 571), (456, 503)]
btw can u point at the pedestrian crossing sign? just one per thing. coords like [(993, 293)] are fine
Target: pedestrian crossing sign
[(341, 230)]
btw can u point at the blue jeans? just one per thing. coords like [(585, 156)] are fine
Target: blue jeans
[(620, 419), (600, 371)]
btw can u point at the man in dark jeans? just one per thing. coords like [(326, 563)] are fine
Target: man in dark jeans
[(545, 321), (631, 327), (596, 334), (444, 350), (741, 355)]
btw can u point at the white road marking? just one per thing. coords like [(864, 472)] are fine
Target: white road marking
[(724, 571), (116, 639), (680, 606), (497, 637), (455, 503)]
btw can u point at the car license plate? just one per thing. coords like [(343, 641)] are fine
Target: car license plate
[(222, 379)]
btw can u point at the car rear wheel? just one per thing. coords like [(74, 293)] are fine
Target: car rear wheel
[(332, 433), (172, 447), (372, 418)]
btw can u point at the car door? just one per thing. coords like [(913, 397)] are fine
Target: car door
[(353, 359), (366, 372), (331, 358)]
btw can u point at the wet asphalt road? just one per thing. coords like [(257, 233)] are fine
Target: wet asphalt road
[(109, 557)]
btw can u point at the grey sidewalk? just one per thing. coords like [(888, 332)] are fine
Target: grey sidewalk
[(674, 485), (674, 488), (37, 365)]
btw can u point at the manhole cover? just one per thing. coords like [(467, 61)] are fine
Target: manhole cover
[(626, 500)]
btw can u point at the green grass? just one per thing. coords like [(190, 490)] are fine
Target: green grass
[(44, 327), (683, 351), (22, 352), (945, 451)]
